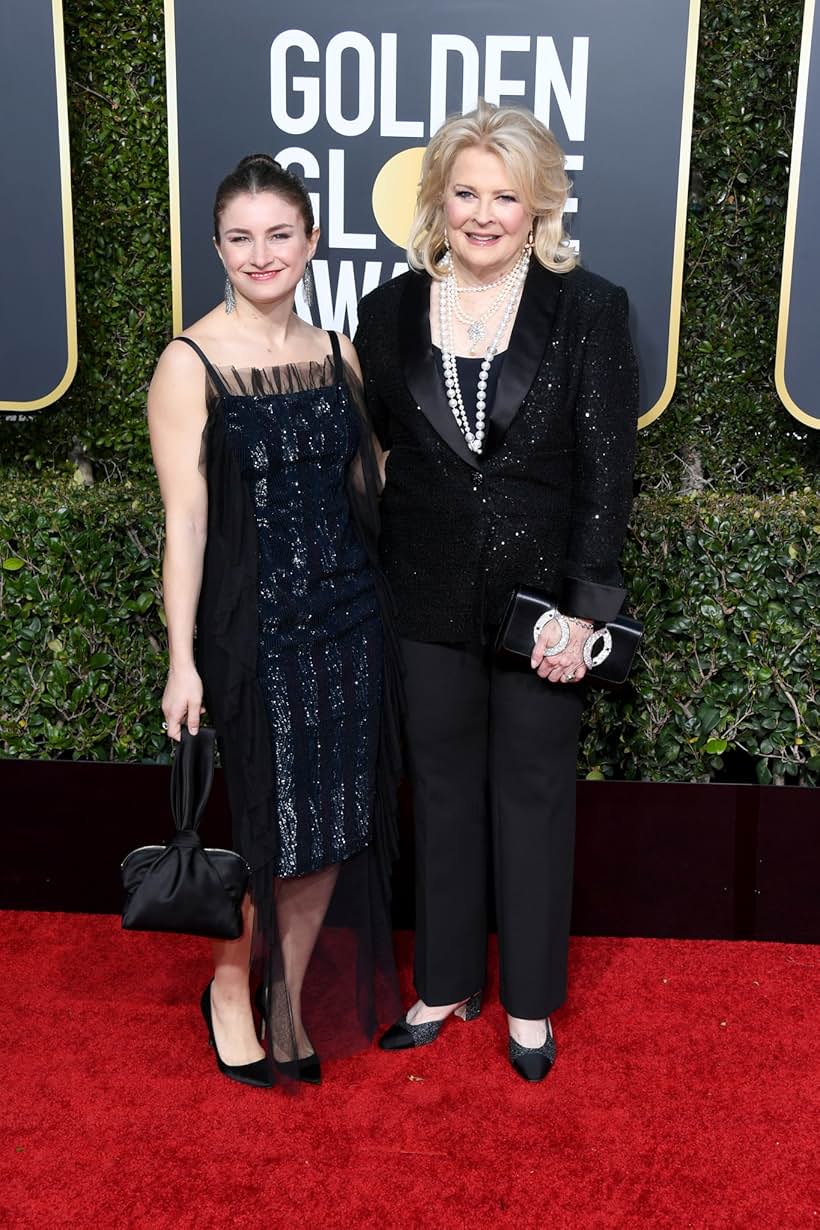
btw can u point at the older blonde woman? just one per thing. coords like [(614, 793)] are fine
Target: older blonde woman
[(501, 377)]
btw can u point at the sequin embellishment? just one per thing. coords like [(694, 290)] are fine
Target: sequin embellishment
[(319, 657)]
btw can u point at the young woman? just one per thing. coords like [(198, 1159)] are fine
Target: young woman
[(269, 481)]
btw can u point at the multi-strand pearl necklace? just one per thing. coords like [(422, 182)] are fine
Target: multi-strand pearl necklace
[(477, 325), (448, 309), (482, 286)]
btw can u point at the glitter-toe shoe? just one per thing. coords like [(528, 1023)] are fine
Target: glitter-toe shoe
[(402, 1035), (533, 1062)]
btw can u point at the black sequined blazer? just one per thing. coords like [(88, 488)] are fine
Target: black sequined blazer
[(547, 502)]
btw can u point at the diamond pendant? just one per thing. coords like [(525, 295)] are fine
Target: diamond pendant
[(475, 332)]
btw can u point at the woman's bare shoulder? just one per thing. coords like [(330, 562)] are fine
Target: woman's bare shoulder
[(310, 341), (179, 378), (211, 332), (179, 358)]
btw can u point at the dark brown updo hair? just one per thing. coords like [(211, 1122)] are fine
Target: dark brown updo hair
[(261, 173)]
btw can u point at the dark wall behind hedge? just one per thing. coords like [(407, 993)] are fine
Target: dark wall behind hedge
[(725, 427)]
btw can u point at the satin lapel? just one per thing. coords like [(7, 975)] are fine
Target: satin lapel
[(419, 365), (528, 343)]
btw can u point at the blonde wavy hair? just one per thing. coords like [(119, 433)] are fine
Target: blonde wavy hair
[(535, 162)]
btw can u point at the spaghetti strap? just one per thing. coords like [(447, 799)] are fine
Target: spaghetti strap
[(219, 383), (338, 366)]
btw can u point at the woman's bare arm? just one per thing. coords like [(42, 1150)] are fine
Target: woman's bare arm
[(176, 417)]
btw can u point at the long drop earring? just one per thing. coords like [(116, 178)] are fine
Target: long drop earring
[(531, 239), (308, 285), (448, 257), (230, 297)]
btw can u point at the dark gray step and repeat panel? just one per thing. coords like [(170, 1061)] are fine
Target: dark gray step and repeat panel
[(349, 97), (38, 337)]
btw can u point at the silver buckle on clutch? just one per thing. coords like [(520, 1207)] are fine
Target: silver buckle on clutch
[(595, 659), (540, 624)]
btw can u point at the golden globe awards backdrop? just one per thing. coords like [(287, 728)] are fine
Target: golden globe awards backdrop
[(37, 364), (797, 366), (349, 97)]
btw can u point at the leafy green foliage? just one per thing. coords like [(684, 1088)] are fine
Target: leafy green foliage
[(82, 642), (728, 587)]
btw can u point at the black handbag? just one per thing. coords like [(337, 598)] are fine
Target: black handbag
[(181, 886), (517, 635)]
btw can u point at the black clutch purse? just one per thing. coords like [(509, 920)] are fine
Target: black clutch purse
[(612, 650), (181, 886)]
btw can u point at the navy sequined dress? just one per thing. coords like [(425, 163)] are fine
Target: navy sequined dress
[(291, 644)]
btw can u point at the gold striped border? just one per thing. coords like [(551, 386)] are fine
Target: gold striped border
[(68, 223), (676, 294), (791, 221)]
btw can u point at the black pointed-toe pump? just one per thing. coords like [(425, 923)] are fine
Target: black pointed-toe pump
[(255, 1073)]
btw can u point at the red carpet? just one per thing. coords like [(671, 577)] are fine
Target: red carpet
[(685, 1095)]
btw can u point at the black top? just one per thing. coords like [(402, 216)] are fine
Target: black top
[(546, 504), (469, 370)]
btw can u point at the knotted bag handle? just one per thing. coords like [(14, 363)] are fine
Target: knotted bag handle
[(192, 774)]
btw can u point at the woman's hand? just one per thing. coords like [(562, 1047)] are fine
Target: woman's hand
[(182, 701), (568, 665)]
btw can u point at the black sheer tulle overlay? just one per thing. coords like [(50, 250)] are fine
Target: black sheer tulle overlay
[(300, 663)]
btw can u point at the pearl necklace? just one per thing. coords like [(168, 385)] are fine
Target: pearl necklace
[(447, 303), (477, 325), (475, 290)]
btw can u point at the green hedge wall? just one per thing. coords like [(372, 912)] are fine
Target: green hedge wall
[(722, 544), (82, 641), (728, 587)]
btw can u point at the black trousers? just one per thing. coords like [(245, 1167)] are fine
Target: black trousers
[(473, 723)]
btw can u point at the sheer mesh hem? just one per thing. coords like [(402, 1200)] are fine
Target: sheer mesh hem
[(364, 491), (349, 987)]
